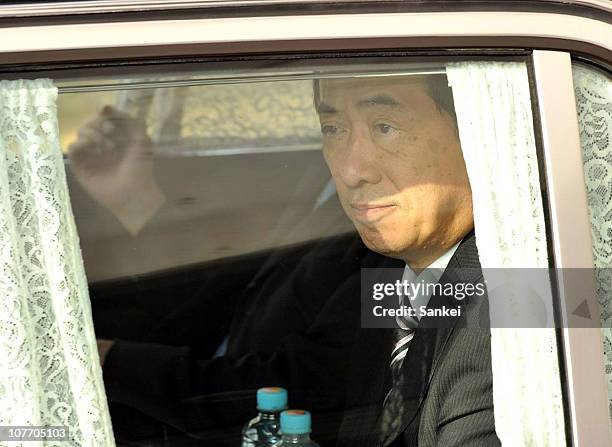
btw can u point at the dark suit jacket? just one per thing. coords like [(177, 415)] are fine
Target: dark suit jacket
[(299, 328), (294, 327), (447, 369)]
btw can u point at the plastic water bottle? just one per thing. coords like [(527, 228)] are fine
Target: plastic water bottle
[(263, 430), (295, 429)]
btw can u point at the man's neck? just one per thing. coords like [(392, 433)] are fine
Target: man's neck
[(426, 257), (421, 266), (422, 263)]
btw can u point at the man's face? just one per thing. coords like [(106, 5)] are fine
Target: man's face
[(397, 163)]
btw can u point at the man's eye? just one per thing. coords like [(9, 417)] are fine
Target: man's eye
[(330, 130), (385, 129)]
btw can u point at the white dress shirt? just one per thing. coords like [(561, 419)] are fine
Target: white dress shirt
[(429, 275)]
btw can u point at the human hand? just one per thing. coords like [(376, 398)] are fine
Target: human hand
[(112, 160)]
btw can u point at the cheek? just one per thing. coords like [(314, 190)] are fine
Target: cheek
[(447, 158), (436, 148), (334, 155), (326, 156), (330, 161), (342, 195), (433, 160), (408, 173), (403, 146), (413, 152), (393, 234)]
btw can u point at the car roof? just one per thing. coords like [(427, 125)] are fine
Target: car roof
[(261, 7)]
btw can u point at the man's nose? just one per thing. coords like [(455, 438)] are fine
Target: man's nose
[(358, 166)]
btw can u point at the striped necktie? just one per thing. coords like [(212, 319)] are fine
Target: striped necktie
[(393, 406)]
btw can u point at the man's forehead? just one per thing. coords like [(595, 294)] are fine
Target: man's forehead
[(356, 89)]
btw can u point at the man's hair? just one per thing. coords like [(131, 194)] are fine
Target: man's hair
[(437, 89)]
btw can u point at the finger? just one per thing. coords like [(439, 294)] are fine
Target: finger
[(109, 145), (84, 149), (129, 133), (107, 127), (121, 127), (82, 153), (110, 112), (91, 134), (102, 137), (78, 146), (125, 131), (110, 120)]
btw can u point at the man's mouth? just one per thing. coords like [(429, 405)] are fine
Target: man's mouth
[(371, 212)]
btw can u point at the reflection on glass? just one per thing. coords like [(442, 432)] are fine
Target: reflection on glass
[(224, 229)]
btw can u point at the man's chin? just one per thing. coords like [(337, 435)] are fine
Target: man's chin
[(385, 247)]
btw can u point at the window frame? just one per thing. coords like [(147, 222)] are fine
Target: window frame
[(586, 393), (551, 36)]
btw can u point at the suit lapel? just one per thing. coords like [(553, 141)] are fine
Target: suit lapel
[(370, 377)]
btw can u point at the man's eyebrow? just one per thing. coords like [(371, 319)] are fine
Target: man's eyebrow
[(379, 100), (323, 107)]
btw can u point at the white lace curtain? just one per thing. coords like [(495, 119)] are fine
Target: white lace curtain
[(49, 369), (594, 106), (493, 106)]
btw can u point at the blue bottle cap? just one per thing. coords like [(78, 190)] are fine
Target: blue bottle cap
[(295, 422), (271, 399)]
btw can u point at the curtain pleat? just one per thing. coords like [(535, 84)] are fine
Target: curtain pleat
[(493, 106), (49, 369)]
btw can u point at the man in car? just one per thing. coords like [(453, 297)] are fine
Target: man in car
[(393, 149)]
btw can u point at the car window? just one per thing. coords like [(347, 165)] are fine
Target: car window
[(231, 218)]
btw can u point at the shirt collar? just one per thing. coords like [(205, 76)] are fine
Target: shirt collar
[(437, 267), (442, 261), (431, 274)]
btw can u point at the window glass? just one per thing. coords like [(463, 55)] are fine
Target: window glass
[(202, 139), (593, 90), (230, 220), (211, 231)]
